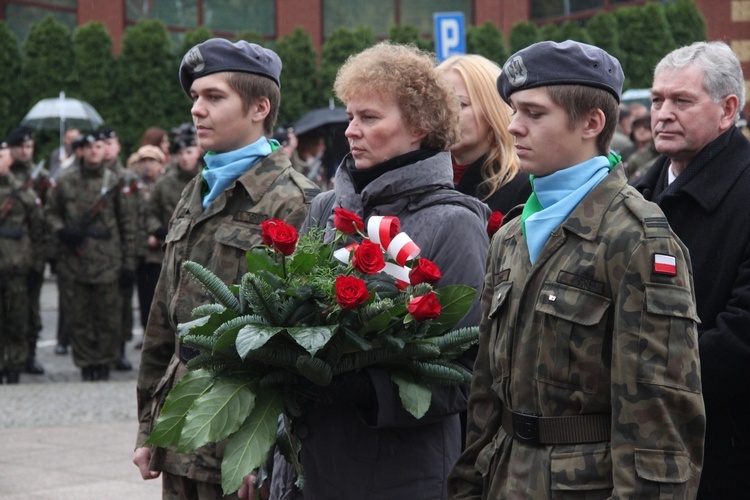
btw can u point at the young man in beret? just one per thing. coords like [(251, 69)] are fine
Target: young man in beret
[(587, 380), (248, 179)]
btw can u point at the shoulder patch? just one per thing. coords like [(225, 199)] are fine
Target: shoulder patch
[(655, 224), (310, 194)]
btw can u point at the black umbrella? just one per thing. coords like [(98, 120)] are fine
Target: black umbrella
[(329, 123)]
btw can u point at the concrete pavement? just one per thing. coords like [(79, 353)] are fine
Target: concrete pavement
[(63, 439)]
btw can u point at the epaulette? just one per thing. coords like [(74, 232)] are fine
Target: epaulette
[(655, 224)]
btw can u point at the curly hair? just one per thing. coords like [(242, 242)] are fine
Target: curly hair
[(426, 101), (480, 76)]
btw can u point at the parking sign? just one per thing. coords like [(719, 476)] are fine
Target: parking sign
[(450, 34)]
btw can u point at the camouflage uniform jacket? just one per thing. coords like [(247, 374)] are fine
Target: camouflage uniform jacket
[(109, 244), (589, 328), (218, 238), (22, 234), (166, 194)]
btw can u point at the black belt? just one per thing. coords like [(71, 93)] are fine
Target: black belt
[(575, 429), (14, 233)]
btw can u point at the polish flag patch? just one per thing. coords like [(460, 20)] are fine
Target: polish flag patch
[(665, 264)]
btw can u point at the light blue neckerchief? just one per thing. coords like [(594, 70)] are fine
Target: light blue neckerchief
[(559, 193), (224, 168)]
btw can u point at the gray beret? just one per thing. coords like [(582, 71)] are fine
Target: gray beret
[(568, 63), (218, 54)]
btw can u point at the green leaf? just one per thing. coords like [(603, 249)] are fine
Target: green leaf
[(258, 260), (227, 333), (248, 448), (252, 337), (456, 300), (312, 338), (171, 419), (380, 322), (303, 263), (415, 397), (217, 413), (206, 325)]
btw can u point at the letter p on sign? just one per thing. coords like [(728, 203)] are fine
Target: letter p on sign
[(450, 34)]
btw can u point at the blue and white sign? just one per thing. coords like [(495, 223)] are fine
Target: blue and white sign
[(450, 34)]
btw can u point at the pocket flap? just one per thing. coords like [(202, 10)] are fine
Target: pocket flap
[(178, 230), (572, 304), (499, 295), (581, 471), (238, 234), (670, 300), (664, 466)]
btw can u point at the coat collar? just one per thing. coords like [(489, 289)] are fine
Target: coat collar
[(708, 177)]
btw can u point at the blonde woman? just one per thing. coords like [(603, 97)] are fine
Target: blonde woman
[(485, 164)]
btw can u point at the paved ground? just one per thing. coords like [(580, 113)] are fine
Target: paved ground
[(62, 439)]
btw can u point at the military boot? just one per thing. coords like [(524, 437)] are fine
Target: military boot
[(123, 364), (87, 373), (12, 376), (32, 365)]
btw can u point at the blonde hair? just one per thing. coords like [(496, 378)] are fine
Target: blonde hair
[(427, 103), (480, 76)]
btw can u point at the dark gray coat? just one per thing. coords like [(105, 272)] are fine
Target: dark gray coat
[(386, 453)]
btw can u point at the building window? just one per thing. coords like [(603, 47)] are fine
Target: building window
[(20, 17), (378, 16), (240, 15), (419, 12), (541, 9), (173, 13)]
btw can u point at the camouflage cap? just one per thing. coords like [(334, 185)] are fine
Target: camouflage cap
[(218, 54), (568, 63)]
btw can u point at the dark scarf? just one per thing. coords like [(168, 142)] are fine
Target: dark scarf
[(362, 177)]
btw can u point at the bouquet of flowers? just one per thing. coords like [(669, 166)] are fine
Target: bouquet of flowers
[(304, 314)]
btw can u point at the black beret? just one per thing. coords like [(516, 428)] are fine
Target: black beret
[(78, 142), (218, 54), (568, 63), (19, 135), (181, 142), (91, 138), (106, 133)]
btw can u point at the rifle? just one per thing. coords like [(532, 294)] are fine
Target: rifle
[(91, 214), (10, 201)]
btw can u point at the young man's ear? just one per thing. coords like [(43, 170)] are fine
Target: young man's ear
[(593, 123), (260, 109)]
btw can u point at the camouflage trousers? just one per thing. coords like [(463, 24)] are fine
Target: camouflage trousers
[(92, 316), (180, 487), (126, 316), (14, 316)]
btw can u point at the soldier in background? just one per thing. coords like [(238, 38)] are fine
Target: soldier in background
[(112, 149), (88, 213), (21, 142), (587, 380), (21, 249), (248, 179)]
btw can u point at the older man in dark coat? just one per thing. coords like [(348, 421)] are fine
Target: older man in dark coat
[(702, 184)]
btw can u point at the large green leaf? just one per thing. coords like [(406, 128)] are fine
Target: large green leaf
[(206, 325), (217, 413), (312, 338), (258, 259), (455, 301), (383, 320), (415, 397), (303, 263), (252, 337), (171, 419), (248, 448)]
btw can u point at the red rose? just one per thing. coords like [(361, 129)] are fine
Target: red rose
[(425, 272), (424, 307), (368, 258), (346, 221), (279, 235), (496, 219), (351, 292)]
